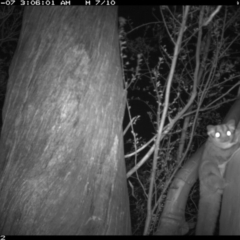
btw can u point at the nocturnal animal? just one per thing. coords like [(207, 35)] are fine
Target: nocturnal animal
[(222, 143)]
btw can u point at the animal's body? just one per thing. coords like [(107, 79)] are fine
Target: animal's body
[(223, 142)]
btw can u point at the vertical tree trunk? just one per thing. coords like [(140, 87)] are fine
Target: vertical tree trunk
[(61, 152), (230, 211)]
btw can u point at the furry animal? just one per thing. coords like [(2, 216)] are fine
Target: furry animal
[(223, 142)]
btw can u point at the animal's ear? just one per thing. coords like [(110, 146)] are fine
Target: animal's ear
[(210, 130), (238, 126), (231, 123)]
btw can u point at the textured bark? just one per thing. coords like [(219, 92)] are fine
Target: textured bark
[(230, 211), (61, 153)]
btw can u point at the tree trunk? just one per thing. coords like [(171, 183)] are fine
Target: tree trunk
[(230, 214), (230, 211), (62, 169)]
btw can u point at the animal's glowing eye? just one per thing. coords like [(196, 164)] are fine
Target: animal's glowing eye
[(217, 134), (229, 133)]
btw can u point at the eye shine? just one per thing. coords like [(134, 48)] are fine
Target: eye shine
[(222, 144)]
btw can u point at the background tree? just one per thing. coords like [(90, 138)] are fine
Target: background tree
[(61, 149)]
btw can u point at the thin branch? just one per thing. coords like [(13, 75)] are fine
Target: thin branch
[(130, 123), (212, 15), (145, 24), (224, 94), (152, 180), (166, 26)]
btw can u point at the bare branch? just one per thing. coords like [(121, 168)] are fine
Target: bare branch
[(152, 180), (212, 15)]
